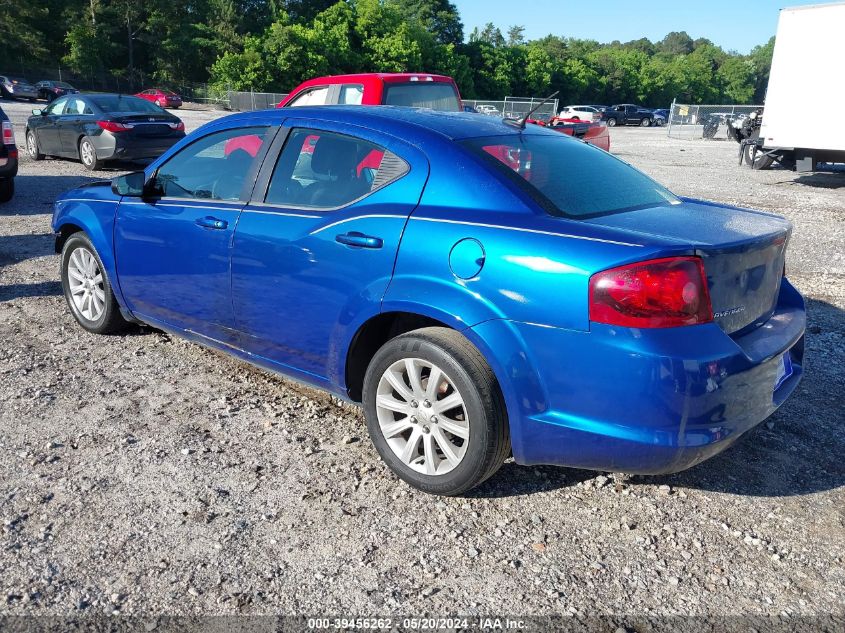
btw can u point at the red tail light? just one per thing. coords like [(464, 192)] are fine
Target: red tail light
[(657, 293), (180, 127), (8, 133), (114, 126)]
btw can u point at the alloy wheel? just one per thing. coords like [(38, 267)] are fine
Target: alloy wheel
[(422, 416), (31, 145), (85, 280), (86, 153)]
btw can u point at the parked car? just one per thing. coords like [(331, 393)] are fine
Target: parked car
[(546, 300), (592, 132), (489, 110), (50, 90), (96, 128), (162, 98), (469, 108), (664, 112), (580, 113), (659, 119), (17, 88), (8, 159), (627, 114), (437, 92), (600, 108)]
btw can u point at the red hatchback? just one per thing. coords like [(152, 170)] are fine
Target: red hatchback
[(419, 90), (162, 98)]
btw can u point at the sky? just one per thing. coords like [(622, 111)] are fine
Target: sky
[(735, 25)]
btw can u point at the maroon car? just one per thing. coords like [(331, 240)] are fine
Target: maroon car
[(161, 97)]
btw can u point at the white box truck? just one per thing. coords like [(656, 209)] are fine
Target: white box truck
[(801, 122)]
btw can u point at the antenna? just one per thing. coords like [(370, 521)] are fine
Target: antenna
[(520, 123)]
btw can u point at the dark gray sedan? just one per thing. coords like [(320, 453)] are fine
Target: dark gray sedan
[(97, 128)]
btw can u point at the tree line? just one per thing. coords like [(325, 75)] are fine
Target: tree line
[(272, 45)]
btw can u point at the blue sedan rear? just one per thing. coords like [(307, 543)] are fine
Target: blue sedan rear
[(439, 269)]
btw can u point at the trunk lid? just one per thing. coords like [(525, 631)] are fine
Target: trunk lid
[(743, 253), (146, 125)]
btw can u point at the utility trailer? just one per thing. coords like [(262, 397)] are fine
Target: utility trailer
[(806, 76)]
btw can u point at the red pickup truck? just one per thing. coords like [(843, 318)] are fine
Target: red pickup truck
[(419, 90)]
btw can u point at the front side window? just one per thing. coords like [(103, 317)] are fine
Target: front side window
[(436, 95), (77, 106), (213, 168), (325, 170), (570, 178), (314, 96), (57, 107)]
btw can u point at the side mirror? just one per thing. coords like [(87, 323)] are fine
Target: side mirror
[(37, 112), (132, 185)]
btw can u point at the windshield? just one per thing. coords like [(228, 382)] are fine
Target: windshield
[(568, 177), (119, 103), (422, 94), (61, 84)]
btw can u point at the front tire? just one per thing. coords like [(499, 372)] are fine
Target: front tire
[(88, 154), (32, 146), (87, 288), (435, 412), (645, 122), (611, 123)]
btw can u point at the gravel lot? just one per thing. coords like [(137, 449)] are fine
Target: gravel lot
[(144, 475)]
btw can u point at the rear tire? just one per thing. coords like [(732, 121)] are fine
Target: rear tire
[(32, 146), (88, 154), (7, 189), (87, 288), (442, 449)]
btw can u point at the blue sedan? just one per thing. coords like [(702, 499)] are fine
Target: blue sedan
[(482, 290)]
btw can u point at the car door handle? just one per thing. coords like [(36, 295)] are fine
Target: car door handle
[(360, 240), (211, 223)]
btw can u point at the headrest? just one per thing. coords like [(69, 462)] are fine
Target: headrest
[(334, 156)]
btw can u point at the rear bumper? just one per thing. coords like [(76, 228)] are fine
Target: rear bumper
[(647, 401), (114, 147)]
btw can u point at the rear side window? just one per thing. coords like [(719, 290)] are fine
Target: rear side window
[(216, 167), (326, 170), (570, 178), (351, 94), (422, 94)]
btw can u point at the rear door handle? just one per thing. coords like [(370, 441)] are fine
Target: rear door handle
[(211, 223), (354, 238)]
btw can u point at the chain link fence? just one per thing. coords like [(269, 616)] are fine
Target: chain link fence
[(244, 101), (514, 107), (687, 121)]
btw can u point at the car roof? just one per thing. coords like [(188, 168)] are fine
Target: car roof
[(400, 121)]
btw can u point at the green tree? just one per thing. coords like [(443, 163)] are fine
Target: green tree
[(438, 17)]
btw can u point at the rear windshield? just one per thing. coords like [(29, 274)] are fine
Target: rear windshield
[(422, 94), (118, 103), (569, 177), (61, 84)]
